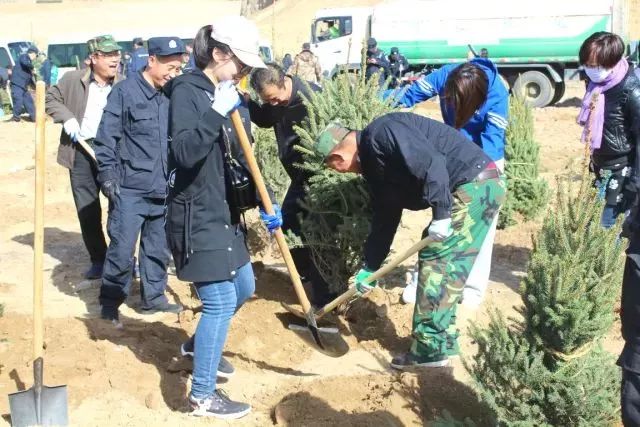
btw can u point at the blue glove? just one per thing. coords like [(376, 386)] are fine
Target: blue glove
[(272, 222)]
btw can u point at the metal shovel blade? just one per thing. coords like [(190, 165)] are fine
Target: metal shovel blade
[(40, 405), (327, 341)]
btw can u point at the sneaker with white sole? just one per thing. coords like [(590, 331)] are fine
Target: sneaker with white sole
[(225, 368), (409, 361), (218, 405)]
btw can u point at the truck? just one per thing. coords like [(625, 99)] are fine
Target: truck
[(535, 44)]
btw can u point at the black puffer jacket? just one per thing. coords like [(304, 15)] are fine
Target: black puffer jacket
[(621, 131)]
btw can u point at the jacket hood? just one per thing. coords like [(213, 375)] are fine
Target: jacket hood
[(195, 78), (496, 86)]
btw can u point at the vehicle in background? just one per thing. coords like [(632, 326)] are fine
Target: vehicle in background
[(11, 50), (534, 44)]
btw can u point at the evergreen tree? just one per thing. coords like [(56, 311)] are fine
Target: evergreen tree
[(339, 211), (548, 369), (526, 192), (266, 151)]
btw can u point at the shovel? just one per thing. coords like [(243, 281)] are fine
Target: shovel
[(352, 292), (326, 340), (40, 405)]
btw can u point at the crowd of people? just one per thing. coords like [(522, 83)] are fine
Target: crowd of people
[(164, 150)]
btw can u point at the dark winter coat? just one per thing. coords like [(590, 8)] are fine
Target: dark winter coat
[(207, 241), (621, 131), (22, 75), (412, 162)]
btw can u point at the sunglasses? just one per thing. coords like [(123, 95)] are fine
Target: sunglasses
[(114, 54), (243, 69)]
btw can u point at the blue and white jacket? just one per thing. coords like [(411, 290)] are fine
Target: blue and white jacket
[(487, 126)]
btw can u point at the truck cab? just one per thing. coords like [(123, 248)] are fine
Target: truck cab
[(10, 51), (338, 36)]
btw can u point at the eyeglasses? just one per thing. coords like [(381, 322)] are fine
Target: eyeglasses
[(243, 69)]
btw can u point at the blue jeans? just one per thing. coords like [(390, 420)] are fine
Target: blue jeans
[(219, 301)]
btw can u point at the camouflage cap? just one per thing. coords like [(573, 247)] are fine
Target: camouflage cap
[(104, 43), (331, 136)]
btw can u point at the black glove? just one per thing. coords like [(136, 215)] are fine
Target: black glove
[(110, 189)]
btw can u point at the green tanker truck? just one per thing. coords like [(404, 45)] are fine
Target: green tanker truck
[(534, 44)]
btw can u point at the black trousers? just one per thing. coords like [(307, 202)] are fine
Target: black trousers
[(86, 195), (291, 210), (630, 357)]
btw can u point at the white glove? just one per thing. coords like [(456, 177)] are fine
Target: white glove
[(440, 229), (72, 128), (226, 99)]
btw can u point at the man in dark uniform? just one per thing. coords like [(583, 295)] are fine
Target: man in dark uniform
[(629, 360), (21, 81), (131, 148), (377, 64), (282, 108), (139, 57), (412, 162), (398, 65)]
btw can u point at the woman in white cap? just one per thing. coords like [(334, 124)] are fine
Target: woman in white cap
[(203, 223)]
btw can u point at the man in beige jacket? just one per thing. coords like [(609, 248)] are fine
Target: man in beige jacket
[(77, 101)]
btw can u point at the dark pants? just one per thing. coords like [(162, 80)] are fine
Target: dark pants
[(291, 210), (630, 316), (128, 217), (22, 99), (86, 195)]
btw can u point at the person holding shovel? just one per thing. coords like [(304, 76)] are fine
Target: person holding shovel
[(412, 162), (475, 101), (283, 108), (203, 213)]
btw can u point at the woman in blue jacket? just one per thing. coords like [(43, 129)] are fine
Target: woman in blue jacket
[(474, 100)]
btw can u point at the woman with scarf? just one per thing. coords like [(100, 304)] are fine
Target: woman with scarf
[(610, 116)]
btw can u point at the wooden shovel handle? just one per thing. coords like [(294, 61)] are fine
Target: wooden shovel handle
[(38, 228), (238, 126), (87, 148), (378, 274)]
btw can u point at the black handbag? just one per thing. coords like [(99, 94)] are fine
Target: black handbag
[(241, 190)]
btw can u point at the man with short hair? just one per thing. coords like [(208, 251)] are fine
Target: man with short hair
[(77, 101), (306, 65), (139, 57), (377, 64), (415, 163), (131, 148), (21, 81)]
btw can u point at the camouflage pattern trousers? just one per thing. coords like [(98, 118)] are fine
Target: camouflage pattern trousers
[(444, 267)]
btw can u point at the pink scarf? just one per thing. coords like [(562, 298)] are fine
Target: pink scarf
[(597, 121)]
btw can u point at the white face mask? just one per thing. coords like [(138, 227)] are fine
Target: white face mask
[(597, 74)]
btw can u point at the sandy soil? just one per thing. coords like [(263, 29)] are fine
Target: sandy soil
[(138, 370)]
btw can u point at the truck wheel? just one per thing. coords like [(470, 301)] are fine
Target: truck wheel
[(560, 89), (535, 88)]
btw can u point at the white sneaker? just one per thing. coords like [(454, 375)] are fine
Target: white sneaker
[(409, 292)]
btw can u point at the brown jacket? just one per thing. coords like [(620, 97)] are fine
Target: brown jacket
[(307, 67), (66, 100)]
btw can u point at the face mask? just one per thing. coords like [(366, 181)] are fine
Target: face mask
[(597, 74)]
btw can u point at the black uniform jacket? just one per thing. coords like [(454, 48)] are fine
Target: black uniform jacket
[(207, 241), (412, 162)]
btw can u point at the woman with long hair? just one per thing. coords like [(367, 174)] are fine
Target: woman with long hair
[(204, 230)]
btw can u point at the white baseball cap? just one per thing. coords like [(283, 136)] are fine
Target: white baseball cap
[(242, 37)]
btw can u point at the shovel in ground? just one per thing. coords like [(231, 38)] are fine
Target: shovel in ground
[(326, 340), (352, 292), (40, 405)]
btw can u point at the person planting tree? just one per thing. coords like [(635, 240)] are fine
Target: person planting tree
[(412, 162)]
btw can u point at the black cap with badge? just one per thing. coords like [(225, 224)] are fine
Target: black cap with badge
[(165, 46)]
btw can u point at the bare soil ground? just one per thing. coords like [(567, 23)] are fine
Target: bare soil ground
[(135, 376)]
